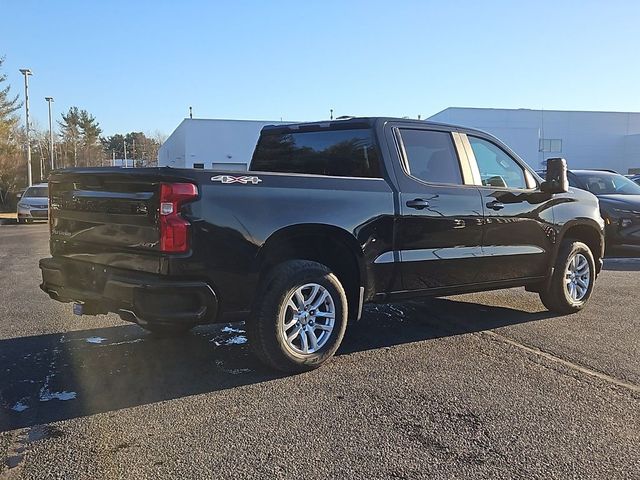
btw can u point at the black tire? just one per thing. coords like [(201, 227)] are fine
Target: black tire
[(159, 330), (264, 331), (555, 296)]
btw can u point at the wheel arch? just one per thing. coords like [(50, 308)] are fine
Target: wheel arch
[(330, 245), (588, 232)]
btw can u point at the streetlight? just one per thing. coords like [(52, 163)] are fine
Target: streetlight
[(26, 72), (49, 100)]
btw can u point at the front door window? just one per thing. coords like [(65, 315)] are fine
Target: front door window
[(497, 168)]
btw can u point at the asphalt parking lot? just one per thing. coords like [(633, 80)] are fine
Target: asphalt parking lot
[(475, 386)]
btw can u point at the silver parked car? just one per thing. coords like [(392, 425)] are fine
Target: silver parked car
[(34, 204)]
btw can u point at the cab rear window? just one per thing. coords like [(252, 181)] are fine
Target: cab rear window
[(341, 153)]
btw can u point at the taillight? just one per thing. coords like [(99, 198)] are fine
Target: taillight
[(174, 230)]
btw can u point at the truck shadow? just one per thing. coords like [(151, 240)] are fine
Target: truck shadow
[(55, 377)]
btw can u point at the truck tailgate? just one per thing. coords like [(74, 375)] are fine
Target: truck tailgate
[(108, 218)]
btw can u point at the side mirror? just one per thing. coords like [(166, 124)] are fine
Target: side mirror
[(556, 180)]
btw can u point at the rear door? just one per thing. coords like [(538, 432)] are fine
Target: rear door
[(518, 234), (439, 231)]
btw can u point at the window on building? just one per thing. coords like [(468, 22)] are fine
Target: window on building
[(342, 153), (198, 165), (431, 156), (550, 145)]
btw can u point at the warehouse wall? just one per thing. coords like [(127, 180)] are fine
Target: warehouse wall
[(214, 143), (589, 139), (172, 151)]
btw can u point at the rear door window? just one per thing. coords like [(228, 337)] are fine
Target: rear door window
[(342, 153), (430, 156)]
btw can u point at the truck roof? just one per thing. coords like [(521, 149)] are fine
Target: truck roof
[(347, 123)]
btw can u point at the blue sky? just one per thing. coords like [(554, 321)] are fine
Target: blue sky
[(139, 65)]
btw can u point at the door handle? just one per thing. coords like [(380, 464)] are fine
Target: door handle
[(417, 203), (495, 205)]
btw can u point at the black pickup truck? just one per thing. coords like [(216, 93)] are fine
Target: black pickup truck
[(329, 216)]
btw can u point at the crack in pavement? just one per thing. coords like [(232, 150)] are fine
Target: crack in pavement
[(538, 352), (553, 358)]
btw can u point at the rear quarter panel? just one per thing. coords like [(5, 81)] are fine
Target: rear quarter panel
[(232, 222)]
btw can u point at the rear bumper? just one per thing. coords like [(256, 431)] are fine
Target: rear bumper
[(137, 297)]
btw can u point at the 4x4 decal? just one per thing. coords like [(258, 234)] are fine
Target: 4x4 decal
[(244, 180)]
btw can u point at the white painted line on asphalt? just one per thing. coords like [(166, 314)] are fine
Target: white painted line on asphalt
[(574, 366)]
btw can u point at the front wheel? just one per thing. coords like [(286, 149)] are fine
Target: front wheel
[(573, 277), (300, 317)]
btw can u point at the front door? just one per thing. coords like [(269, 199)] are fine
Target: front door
[(518, 238), (439, 231)]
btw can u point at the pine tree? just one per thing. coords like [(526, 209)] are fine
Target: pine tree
[(13, 172), (70, 133), (8, 120), (90, 131)]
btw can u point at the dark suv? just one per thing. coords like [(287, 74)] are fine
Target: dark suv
[(619, 200)]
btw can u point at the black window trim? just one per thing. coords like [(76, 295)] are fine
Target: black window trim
[(512, 155), (404, 160)]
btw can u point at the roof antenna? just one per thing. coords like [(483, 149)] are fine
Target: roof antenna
[(331, 116), (191, 113)]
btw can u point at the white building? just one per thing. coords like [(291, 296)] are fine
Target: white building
[(211, 143), (586, 139)]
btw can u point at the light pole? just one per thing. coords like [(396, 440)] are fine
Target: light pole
[(26, 72), (49, 100)]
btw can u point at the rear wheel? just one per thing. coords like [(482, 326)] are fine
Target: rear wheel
[(300, 317), (572, 281)]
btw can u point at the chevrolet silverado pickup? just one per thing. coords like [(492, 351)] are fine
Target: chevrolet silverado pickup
[(329, 216)]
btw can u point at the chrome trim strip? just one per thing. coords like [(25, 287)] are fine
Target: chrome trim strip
[(471, 157), (508, 250), (386, 257), (458, 253), (468, 177), (452, 253)]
